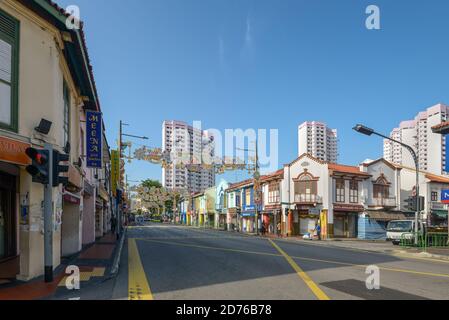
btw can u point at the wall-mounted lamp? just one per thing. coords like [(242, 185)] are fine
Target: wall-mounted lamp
[(44, 126)]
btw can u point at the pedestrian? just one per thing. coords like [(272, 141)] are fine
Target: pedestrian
[(278, 229), (318, 231)]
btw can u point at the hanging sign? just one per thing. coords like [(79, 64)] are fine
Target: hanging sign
[(115, 167), (94, 139)]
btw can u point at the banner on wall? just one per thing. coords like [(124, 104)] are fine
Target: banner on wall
[(115, 168), (94, 126)]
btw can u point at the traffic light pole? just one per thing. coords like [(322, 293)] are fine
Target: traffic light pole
[(48, 219)]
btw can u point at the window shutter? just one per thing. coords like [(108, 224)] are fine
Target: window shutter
[(5, 61), (9, 46), (8, 26)]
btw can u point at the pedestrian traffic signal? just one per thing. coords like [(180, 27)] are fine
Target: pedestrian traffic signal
[(39, 168), (58, 168)]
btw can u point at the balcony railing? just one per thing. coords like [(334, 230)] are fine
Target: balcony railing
[(384, 202), (308, 198)]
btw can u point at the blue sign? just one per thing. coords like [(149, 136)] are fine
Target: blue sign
[(94, 139), (445, 196)]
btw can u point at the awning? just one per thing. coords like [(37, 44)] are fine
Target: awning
[(440, 213), (386, 216)]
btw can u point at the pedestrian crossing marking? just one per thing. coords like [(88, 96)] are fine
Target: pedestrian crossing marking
[(304, 276), (138, 287)]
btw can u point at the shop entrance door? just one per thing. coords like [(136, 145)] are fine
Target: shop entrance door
[(7, 216)]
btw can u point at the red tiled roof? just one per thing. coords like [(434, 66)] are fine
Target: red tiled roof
[(441, 126), (277, 174), (347, 169), (435, 178), (237, 185)]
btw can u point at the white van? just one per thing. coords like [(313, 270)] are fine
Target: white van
[(398, 229)]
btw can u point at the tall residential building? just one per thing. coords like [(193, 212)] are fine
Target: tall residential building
[(186, 144), (316, 139), (430, 147)]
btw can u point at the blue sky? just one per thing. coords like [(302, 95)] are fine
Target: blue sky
[(265, 64)]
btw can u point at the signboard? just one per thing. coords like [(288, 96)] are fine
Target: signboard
[(314, 211), (115, 168), (14, 151), (94, 135), (445, 196)]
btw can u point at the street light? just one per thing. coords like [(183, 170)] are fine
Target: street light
[(369, 132)]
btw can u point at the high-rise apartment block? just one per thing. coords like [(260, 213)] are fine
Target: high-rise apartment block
[(186, 145), (316, 139), (430, 147)]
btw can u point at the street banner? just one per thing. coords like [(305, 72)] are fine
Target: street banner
[(94, 139), (115, 168)]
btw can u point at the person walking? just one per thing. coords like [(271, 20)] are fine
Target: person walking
[(318, 231), (278, 229)]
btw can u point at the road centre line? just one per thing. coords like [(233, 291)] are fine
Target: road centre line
[(423, 273)]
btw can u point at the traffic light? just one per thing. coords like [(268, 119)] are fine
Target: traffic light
[(39, 168), (58, 168), (411, 204)]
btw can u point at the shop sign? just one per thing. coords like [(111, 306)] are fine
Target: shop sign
[(115, 168), (14, 151), (94, 137)]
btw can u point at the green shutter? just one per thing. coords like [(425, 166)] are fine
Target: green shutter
[(10, 33)]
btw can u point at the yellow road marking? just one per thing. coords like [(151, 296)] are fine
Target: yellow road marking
[(138, 287), (442, 275), (304, 276)]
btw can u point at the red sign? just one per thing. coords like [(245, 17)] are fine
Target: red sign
[(14, 151)]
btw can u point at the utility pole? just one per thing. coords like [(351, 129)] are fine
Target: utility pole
[(120, 145), (48, 219), (368, 131), (257, 187)]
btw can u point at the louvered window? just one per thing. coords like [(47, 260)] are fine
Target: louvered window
[(9, 39)]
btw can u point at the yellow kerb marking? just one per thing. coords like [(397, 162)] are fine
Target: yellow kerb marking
[(138, 287)]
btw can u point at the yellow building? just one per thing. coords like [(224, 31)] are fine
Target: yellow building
[(44, 74)]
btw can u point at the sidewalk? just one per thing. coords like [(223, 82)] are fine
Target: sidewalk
[(94, 263)]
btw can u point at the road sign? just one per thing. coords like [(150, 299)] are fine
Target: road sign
[(445, 196)]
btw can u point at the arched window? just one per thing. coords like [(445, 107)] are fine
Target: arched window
[(306, 187), (381, 188)]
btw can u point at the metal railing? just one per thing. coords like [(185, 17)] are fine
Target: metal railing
[(384, 202), (428, 240)]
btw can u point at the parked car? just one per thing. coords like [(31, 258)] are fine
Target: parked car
[(403, 229)]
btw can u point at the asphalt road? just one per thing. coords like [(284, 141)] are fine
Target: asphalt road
[(184, 263)]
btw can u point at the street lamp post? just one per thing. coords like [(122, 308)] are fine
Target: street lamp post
[(368, 131), (120, 182)]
